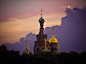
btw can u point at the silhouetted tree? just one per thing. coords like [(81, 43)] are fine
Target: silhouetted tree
[(13, 57)]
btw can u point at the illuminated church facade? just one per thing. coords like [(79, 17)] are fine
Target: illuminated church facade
[(41, 43)]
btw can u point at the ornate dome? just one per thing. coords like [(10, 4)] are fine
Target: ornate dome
[(41, 20), (57, 51), (53, 40), (45, 50)]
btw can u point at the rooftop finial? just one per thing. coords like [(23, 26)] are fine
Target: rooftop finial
[(28, 49), (26, 43), (53, 31), (41, 12), (45, 42)]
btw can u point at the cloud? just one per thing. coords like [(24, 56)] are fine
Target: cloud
[(14, 28), (20, 46), (71, 35)]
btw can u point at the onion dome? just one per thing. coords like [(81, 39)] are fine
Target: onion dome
[(45, 50), (53, 39), (41, 20), (57, 51)]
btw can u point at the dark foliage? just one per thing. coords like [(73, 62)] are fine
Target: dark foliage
[(13, 57)]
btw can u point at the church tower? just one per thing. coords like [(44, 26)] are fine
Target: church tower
[(40, 42), (53, 42), (26, 51)]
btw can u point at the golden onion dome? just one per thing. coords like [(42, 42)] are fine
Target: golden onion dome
[(53, 40)]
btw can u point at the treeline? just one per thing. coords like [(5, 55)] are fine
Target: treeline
[(13, 57)]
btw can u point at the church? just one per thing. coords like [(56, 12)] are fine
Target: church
[(42, 44)]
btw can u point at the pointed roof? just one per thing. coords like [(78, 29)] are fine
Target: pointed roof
[(26, 51)]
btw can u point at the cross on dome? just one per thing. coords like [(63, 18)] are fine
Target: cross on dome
[(53, 31), (41, 12), (26, 43)]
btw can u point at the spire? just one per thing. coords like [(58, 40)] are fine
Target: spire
[(45, 49), (26, 43), (45, 42), (53, 31), (41, 21), (41, 12), (28, 49)]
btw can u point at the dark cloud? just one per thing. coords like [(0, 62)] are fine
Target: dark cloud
[(20, 46), (71, 35)]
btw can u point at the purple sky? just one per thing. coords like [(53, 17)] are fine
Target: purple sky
[(20, 17)]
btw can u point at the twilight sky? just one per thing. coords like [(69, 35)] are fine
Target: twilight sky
[(20, 17)]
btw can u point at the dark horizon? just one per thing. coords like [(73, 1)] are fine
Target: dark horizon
[(13, 57)]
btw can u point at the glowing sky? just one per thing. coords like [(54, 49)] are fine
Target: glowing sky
[(20, 17)]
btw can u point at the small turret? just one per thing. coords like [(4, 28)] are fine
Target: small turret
[(45, 49), (26, 51)]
